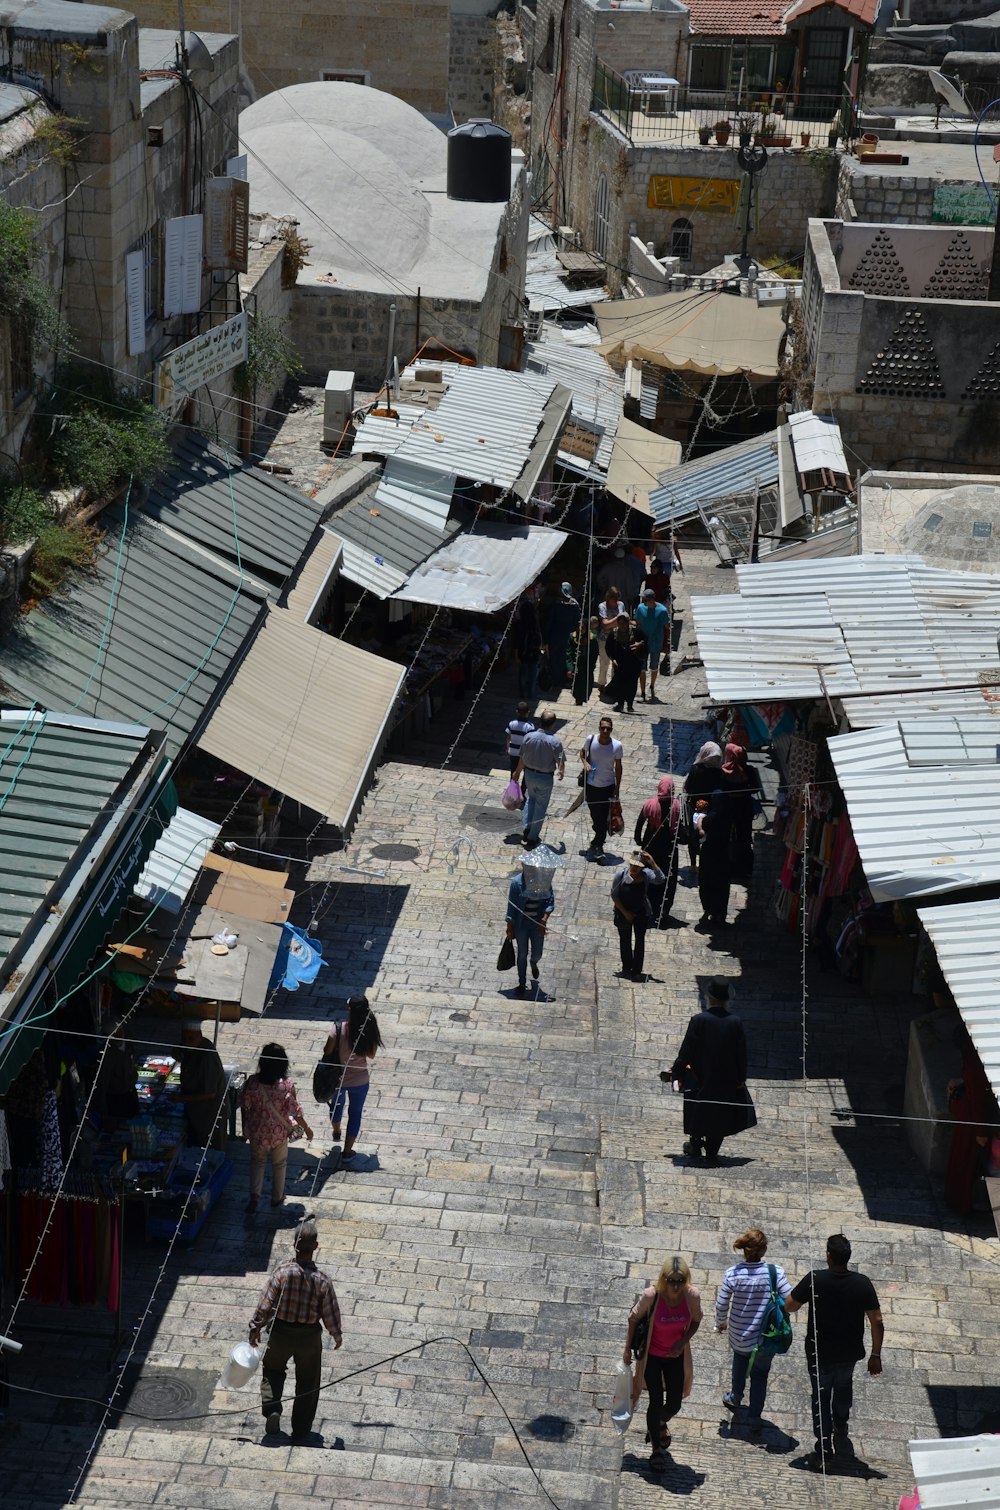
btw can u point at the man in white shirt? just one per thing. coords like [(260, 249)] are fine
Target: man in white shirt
[(602, 765)]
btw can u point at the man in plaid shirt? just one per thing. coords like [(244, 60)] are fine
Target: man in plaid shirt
[(299, 1297)]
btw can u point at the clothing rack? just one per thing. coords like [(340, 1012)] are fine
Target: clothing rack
[(29, 1198)]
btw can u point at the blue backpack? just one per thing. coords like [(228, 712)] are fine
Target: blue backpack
[(775, 1327)]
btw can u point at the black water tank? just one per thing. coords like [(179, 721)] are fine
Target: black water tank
[(479, 162)]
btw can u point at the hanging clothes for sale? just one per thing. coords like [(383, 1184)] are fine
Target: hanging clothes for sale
[(66, 1247)]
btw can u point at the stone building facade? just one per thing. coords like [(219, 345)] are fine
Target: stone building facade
[(904, 346)]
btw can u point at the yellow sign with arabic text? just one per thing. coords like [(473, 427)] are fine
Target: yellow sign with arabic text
[(717, 195)]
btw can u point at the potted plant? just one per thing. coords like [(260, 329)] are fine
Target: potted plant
[(833, 136), (704, 135), (744, 129), (805, 137), (722, 130)]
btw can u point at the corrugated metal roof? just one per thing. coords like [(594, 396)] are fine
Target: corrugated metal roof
[(545, 285), (180, 618), (382, 544), (598, 391), (816, 443), (337, 700), (414, 490), (957, 1472), (484, 428), (380, 436), (196, 496), (887, 625), (176, 859), (707, 479), (483, 570), (64, 796), (312, 582), (884, 707), (922, 828)]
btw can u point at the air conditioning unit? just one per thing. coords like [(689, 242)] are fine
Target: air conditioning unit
[(338, 405)]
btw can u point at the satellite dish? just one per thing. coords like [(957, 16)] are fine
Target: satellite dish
[(951, 96), (200, 60)]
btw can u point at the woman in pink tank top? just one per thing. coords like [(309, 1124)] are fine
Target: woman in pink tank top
[(663, 1364), (352, 1044)]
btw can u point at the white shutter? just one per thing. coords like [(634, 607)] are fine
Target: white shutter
[(227, 224), (236, 167), (182, 266), (135, 295)]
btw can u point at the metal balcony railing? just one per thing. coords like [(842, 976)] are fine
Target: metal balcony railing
[(645, 109)]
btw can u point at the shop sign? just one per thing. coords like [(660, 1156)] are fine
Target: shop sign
[(200, 361), (717, 195)]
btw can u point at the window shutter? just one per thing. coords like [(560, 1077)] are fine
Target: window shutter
[(236, 167), (135, 295), (182, 266), (227, 224)]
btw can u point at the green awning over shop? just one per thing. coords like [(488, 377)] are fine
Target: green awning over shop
[(83, 805)]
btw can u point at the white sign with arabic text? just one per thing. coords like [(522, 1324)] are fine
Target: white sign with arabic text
[(199, 361)]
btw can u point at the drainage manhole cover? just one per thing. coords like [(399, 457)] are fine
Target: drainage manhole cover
[(395, 852), (458, 1017), (169, 1399), (493, 818)]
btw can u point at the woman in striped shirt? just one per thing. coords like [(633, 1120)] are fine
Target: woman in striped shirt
[(739, 1310)]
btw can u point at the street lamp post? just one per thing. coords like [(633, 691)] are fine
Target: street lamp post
[(753, 160)]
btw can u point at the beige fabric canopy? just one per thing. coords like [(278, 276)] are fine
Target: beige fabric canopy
[(716, 334), (638, 458)]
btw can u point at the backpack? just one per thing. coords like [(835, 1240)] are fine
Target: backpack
[(775, 1327)]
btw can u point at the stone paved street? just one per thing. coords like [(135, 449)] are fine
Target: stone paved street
[(522, 1178)]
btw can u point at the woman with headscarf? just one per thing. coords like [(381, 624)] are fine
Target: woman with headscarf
[(702, 780), (582, 659), (741, 784), (627, 648), (672, 1310), (656, 832), (714, 825)]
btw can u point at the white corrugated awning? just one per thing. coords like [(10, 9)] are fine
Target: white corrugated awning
[(414, 489), (966, 939), (484, 570), (924, 806), (957, 1472), (176, 858), (314, 581), (382, 434), (307, 714), (888, 626), (638, 456), (817, 445)]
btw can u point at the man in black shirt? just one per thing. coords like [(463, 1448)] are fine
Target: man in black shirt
[(838, 1301)]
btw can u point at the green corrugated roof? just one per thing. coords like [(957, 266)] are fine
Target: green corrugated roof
[(274, 522), (62, 796), (170, 603)]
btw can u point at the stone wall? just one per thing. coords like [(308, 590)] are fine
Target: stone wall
[(472, 56), (30, 178), (912, 380), (124, 183), (794, 187), (349, 328), (401, 45), (265, 298)]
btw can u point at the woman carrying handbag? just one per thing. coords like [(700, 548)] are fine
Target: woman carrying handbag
[(671, 1309), (352, 1044)]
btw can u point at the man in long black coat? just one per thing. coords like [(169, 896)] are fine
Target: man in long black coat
[(711, 1069)]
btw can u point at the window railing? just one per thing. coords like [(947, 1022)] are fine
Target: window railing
[(652, 112)]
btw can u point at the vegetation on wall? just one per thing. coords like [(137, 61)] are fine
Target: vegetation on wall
[(25, 298), (269, 353), (24, 511), (59, 549), (94, 433), (295, 256)]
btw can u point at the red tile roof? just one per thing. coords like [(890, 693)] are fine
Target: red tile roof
[(737, 18), (862, 11)]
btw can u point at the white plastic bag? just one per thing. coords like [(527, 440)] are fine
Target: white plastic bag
[(621, 1404)]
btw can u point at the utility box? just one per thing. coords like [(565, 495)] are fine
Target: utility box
[(338, 404)]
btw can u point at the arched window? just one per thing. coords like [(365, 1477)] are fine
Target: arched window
[(682, 240), (602, 210)]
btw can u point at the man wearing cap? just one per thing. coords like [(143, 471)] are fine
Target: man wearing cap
[(528, 911), (542, 758), (203, 1089), (652, 620), (711, 1070), (633, 911), (299, 1300), (839, 1299)]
